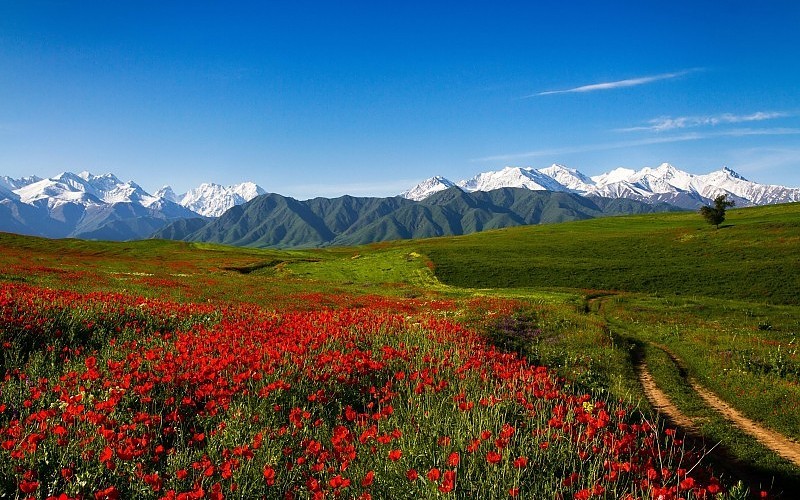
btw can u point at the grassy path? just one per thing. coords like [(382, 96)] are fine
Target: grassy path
[(742, 448), (659, 400), (775, 441)]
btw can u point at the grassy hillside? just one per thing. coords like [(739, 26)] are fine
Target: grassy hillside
[(754, 255)]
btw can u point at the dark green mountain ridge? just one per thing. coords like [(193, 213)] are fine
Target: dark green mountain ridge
[(277, 221)]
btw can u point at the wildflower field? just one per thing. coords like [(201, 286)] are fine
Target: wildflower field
[(116, 396)]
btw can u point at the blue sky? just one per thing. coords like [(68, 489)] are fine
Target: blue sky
[(327, 98)]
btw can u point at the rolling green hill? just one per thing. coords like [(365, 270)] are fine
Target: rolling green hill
[(754, 255)]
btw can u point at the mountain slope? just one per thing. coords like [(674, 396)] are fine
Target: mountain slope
[(276, 221)]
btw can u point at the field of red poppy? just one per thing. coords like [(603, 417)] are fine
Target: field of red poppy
[(118, 396)]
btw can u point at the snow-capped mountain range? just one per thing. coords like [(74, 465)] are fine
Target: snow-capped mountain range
[(91, 206), (102, 206), (664, 183)]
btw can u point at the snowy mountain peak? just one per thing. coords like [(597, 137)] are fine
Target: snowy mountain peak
[(212, 200), (247, 190), (166, 193), (103, 178), (732, 173), (568, 177), (518, 177), (617, 175), (90, 190), (427, 188)]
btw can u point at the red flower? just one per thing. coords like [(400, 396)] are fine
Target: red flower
[(395, 455), (339, 482), (448, 482), (412, 475), (493, 457), (521, 462), (453, 460), (433, 474), (582, 495), (110, 493), (368, 479), (28, 486), (269, 475)]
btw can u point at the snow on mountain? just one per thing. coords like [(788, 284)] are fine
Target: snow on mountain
[(167, 193), (727, 181), (568, 177), (664, 183), (518, 177), (84, 189), (7, 190), (427, 188), (212, 200), (87, 189), (616, 175), (11, 184), (247, 190), (85, 205), (663, 179), (65, 187)]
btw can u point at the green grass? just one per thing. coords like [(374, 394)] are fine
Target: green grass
[(753, 256)]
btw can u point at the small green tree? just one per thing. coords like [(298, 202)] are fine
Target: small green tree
[(716, 215)]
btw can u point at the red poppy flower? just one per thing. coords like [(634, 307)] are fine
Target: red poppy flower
[(493, 457), (368, 479)]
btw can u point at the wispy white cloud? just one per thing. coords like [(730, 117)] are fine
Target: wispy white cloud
[(689, 136), (666, 123), (631, 82)]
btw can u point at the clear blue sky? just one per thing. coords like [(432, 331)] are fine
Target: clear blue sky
[(326, 98)]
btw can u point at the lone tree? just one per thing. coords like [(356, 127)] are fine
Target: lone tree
[(716, 214)]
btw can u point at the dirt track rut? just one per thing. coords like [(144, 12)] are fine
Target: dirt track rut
[(775, 441)]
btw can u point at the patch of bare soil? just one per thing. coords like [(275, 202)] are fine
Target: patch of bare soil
[(659, 400)]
